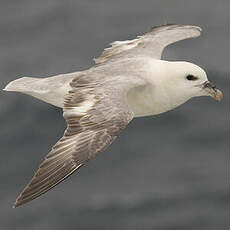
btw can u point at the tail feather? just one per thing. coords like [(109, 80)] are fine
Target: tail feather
[(24, 85), (52, 90)]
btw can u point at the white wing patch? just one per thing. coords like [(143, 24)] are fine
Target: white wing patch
[(117, 48), (80, 110), (84, 107)]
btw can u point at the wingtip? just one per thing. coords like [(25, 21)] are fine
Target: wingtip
[(19, 201), (197, 28), (16, 204)]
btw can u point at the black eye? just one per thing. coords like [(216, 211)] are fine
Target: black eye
[(191, 78)]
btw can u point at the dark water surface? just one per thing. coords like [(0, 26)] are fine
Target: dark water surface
[(165, 172)]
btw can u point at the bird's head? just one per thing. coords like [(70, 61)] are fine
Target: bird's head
[(177, 82), (190, 80)]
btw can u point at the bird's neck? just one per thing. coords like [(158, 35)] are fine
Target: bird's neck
[(153, 100)]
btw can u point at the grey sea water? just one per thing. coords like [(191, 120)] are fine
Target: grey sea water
[(170, 171)]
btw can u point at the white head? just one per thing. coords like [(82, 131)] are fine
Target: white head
[(177, 82)]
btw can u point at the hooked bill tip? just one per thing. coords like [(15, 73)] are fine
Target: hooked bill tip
[(219, 95)]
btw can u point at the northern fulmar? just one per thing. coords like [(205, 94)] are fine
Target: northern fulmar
[(128, 80)]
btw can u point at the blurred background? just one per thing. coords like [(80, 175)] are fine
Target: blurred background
[(165, 172)]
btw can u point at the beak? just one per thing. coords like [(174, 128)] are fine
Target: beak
[(212, 91)]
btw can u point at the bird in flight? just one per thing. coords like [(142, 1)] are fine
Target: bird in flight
[(128, 80)]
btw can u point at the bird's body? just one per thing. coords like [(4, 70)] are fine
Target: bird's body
[(129, 80), (151, 99)]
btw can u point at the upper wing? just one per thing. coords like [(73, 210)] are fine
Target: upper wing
[(95, 115), (150, 44)]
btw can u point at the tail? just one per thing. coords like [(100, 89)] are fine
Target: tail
[(52, 90), (23, 85)]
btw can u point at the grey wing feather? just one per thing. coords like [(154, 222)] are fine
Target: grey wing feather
[(87, 133), (150, 44)]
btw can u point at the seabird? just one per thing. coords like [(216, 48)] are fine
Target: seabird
[(128, 80)]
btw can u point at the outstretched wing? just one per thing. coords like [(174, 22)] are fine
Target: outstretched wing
[(150, 44), (95, 114)]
